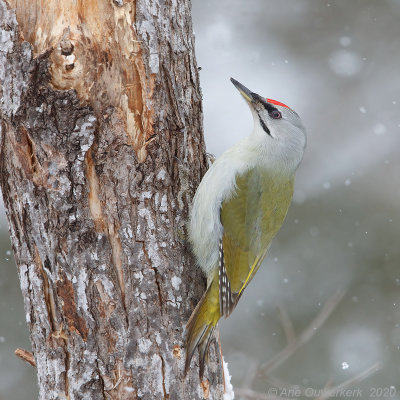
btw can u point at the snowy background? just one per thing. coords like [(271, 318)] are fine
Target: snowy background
[(337, 64)]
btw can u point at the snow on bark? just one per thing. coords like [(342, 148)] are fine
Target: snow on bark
[(101, 151), (229, 394)]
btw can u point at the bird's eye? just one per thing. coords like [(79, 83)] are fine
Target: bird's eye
[(275, 114)]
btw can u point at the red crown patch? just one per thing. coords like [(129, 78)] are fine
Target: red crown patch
[(277, 103)]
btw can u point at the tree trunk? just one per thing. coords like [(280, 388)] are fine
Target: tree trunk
[(101, 152)]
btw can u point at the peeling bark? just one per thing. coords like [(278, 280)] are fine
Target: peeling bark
[(101, 150)]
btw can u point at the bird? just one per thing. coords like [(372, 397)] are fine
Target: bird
[(238, 208)]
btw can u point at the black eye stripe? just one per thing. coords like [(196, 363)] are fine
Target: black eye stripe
[(270, 108)]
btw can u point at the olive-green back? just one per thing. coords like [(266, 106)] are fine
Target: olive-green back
[(250, 219)]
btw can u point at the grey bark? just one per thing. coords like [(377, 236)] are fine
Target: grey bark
[(101, 150)]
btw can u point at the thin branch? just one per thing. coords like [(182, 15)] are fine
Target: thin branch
[(279, 386), (25, 355), (293, 344), (305, 336), (352, 381), (251, 374), (287, 324)]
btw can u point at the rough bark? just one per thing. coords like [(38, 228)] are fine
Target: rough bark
[(101, 151)]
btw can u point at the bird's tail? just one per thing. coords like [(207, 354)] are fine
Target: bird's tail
[(201, 325)]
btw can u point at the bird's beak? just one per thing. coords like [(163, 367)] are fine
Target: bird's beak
[(246, 93)]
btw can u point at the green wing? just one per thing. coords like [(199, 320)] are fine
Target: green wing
[(250, 219)]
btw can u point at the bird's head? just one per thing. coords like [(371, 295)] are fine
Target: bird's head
[(275, 124)]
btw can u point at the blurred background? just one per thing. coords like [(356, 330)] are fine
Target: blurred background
[(330, 286)]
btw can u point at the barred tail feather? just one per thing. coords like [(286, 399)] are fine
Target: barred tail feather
[(201, 325)]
